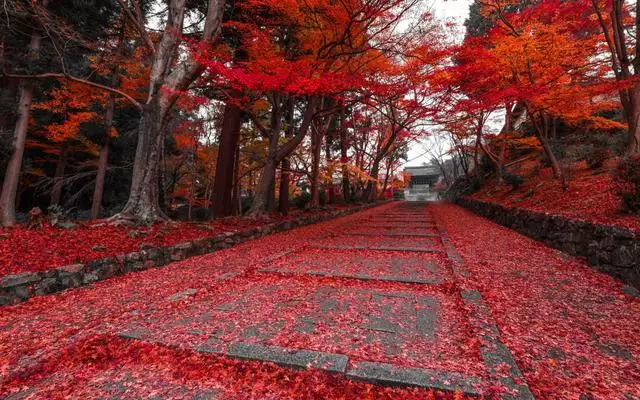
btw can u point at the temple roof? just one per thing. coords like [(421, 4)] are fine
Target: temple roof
[(426, 170)]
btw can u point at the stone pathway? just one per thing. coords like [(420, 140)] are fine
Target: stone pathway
[(348, 323), (383, 296)]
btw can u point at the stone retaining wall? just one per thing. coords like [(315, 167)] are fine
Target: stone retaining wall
[(610, 249), (17, 288)]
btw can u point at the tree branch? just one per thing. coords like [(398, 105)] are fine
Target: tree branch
[(77, 80)]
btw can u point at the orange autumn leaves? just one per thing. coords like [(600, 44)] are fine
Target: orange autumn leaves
[(73, 104), (548, 55)]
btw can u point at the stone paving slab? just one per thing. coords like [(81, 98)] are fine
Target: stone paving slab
[(387, 374), (400, 220), (390, 266), (392, 242), (498, 359), (320, 328), (395, 225), (291, 358), (381, 248), (384, 230), (393, 234)]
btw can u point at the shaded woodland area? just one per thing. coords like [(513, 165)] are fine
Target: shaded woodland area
[(149, 110)]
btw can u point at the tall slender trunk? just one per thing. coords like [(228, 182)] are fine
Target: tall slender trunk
[(316, 146), (371, 190), (276, 154), (271, 199), (56, 190), (103, 160), (553, 160), (329, 160), (265, 185), (386, 176), (236, 199), (283, 198), (229, 138), (633, 136), (261, 198), (98, 190), (14, 166), (343, 159)]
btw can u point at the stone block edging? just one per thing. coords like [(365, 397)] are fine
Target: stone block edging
[(609, 249), (20, 287)]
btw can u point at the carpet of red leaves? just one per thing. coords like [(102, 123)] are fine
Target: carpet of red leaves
[(572, 330), (30, 250), (66, 345), (591, 195)]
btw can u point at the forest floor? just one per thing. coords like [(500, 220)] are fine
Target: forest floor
[(47, 247), (591, 195), (432, 298)]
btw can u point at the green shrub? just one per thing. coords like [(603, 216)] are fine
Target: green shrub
[(512, 179), (597, 156), (247, 202), (301, 200), (627, 182)]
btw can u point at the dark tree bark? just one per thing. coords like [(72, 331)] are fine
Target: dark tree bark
[(624, 66), (237, 189), (283, 199), (58, 178), (329, 159), (225, 164), (14, 166), (346, 187), (318, 131), (165, 83), (276, 154), (98, 191), (103, 159), (316, 147)]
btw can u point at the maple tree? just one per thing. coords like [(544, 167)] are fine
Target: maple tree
[(615, 18), (299, 96), (542, 62)]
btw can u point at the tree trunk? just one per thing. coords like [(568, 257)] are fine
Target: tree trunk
[(265, 186), (316, 146), (283, 198), (225, 165), (328, 143), (236, 199), (103, 160), (343, 159), (261, 198), (633, 136), (98, 191), (372, 186), (271, 200), (56, 190), (283, 201), (144, 198), (176, 76), (555, 165), (276, 153), (14, 166), (386, 176)]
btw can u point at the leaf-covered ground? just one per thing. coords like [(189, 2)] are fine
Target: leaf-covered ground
[(591, 195), (29, 250), (160, 332), (572, 330)]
